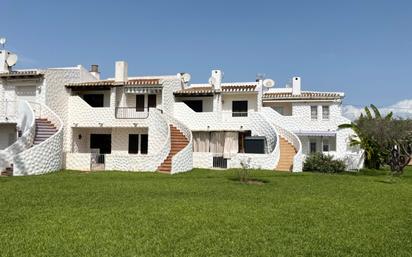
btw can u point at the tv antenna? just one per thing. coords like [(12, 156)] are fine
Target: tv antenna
[(3, 41)]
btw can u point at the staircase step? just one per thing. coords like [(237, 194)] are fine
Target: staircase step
[(287, 153), (44, 130), (178, 141)]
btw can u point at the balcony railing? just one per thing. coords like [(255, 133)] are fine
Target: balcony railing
[(132, 113), (239, 114)]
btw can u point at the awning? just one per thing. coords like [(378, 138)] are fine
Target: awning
[(316, 133), (142, 90)]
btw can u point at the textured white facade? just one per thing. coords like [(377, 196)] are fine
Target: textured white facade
[(59, 95), (45, 157), (27, 125)]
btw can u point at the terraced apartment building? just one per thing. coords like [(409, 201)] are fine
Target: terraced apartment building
[(70, 118)]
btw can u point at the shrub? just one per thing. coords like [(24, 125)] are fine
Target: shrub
[(323, 163)]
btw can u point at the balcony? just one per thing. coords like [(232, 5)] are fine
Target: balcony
[(131, 113), (212, 120), (81, 114)]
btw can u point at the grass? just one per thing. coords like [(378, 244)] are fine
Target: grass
[(205, 213)]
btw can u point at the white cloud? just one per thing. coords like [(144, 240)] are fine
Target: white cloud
[(400, 109)]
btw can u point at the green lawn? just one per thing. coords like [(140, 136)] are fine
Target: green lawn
[(205, 213)]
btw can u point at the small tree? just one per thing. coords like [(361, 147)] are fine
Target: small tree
[(385, 140), (369, 130)]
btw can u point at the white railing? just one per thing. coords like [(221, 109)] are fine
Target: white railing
[(210, 120), (84, 115), (131, 113), (272, 116), (354, 161), (165, 149), (262, 127), (45, 157), (27, 126), (183, 160)]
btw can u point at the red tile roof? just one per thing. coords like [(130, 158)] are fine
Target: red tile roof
[(111, 83), (305, 95), (208, 90), (24, 73)]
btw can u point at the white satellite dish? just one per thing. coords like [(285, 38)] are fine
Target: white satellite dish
[(186, 77), (11, 59), (268, 83)]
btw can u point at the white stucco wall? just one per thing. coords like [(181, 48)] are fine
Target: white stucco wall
[(207, 102), (227, 100)]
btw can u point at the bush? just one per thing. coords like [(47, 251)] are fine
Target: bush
[(323, 163)]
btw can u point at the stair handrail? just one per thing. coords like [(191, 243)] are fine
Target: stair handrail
[(167, 145), (28, 162), (23, 142), (289, 136), (273, 155), (183, 160)]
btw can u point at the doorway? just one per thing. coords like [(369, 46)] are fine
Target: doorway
[(103, 142)]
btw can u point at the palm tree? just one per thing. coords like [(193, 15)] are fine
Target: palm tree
[(374, 153)]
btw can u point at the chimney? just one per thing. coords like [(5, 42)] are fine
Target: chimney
[(121, 71), (216, 79), (94, 70), (296, 86)]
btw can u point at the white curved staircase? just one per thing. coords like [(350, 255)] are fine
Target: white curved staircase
[(43, 145), (291, 158), (180, 157)]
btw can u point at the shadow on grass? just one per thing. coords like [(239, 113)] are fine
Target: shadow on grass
[(250, 181)]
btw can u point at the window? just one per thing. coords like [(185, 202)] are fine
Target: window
[(133, 144), (94, 100), (144, 144), (312, 147), (139, 103), (326, 147), (138, 143), (151, 101), (325, 112), (314, 112), (239, 108), (195, 105)]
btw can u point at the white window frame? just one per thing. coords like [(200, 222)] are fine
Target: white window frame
[(325, 116), (325, 142), (312, 116)]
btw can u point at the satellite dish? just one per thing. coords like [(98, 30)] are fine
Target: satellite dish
[(11, 59), (268, 83), (212, 81), (186, 77)]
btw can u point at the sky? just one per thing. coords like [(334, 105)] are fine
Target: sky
[(362, 47)]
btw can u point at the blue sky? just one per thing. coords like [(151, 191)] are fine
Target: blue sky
[(363, 48)]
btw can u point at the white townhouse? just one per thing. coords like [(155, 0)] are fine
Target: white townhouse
[(33, 109), (314, 117), (126, 123), (70, 118)]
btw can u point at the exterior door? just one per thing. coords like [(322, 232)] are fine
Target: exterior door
[(151, 101), (139, 103), (103, 142)]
